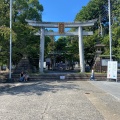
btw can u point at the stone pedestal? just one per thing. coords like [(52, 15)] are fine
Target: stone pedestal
[(23, 65)]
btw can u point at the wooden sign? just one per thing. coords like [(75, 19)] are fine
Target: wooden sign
[(61, 28)]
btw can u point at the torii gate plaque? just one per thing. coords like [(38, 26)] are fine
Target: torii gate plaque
[(61, 27), (80, 34)]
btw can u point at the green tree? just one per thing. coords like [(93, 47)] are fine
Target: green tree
[(27, 9), (24, 41), (4, 12), (4, 43), (98, 9), (61, 44), (49, 44)]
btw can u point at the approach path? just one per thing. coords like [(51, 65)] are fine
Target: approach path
[(57, 100)]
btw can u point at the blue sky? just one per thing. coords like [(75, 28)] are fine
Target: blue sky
[(61, 10)]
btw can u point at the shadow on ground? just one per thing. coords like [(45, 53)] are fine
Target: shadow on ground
[(39, 88)]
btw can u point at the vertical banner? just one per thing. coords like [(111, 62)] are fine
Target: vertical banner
[(112, 70)]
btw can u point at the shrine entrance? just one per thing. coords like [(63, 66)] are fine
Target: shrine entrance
[(61, 62), (61, 32)]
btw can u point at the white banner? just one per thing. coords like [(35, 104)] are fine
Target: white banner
[(112, 69)]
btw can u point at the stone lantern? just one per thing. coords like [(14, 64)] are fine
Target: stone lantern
[(99, 49), (97, 64)]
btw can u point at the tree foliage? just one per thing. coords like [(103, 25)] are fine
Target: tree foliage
[(23, 39), (27, 9), (98, 9)]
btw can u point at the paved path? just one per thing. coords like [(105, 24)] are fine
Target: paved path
[(57, 100), (112, 88)]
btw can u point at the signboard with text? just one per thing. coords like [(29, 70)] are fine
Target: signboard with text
[(61, 28), (112, 70)]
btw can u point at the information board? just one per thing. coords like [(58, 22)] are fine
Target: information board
[(112, 70)]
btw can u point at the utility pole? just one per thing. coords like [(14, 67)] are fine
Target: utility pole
[(101, 28), (10, 39), (110, 33)]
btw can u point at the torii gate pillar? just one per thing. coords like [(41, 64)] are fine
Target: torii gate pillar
[(42, 44), (81, 50)]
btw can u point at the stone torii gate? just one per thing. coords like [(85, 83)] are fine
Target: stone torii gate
[(61, 26)]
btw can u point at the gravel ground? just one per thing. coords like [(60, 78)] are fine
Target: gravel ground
[(57, 100)]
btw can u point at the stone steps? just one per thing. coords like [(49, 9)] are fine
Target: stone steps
[(61, 76), (51, 76)]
